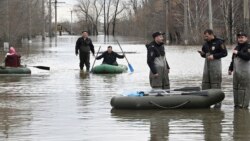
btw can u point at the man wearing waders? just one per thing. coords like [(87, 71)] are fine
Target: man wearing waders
[(157, 62), (240, 66), (213, 50), (83, 46)]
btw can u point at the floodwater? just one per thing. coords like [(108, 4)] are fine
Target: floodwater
[(64, 104)]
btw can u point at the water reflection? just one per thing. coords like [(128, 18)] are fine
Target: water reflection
[(84, 74), (177, 124), (6, 79), (241, 124), (12, 122), (84, 91), (109, 78), (64, 104)]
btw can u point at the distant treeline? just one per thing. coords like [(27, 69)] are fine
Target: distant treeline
[(180, 19), (20, 19), (143, 17)]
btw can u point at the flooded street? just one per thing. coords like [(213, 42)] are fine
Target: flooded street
[(64, 104)]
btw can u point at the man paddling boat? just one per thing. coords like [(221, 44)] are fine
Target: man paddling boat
[(109, 57)]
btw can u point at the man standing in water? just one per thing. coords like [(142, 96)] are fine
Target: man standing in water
[(240, 66), (157, 62), (213, 50), (83, 46)]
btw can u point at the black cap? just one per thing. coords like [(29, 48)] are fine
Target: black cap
[(242, 34), (157, 34)]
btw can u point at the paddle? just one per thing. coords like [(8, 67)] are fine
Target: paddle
[(186, 89), (41, 67), (95, 58), (162, 92), (129, 65)]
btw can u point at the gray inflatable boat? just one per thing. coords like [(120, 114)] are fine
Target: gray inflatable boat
[(162, 99)]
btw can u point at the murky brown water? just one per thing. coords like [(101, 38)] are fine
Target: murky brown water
[(65, 105)]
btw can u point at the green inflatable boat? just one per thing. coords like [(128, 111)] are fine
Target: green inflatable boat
[(109, 69), (161, 99), (14, 70)]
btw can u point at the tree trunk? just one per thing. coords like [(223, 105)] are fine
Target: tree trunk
[(108, 22), (246, 16), (167, 21), (114, 21), (185, 22), (104, 11), (210, 11), (230, 15)]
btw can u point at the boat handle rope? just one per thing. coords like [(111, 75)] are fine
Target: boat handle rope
[(174, 107)]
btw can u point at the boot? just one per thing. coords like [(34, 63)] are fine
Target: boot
[(217, 105)]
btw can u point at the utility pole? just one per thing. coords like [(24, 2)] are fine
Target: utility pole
[(7, 31), (56, 2), (167, 21), (185, 22), (29, 6), (246, 15), (71, 12), (8, 22), (43, 20), (50, 20), (210, 11), (55, 18)]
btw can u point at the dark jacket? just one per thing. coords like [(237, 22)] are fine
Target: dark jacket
[(243, 53), (109, 58), (215, 47), (84, 45), (155, 50)]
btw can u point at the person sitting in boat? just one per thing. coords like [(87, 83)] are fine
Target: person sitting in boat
[(109, 57), (12, 59)]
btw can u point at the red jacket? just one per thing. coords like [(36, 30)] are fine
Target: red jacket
[(13, 60)]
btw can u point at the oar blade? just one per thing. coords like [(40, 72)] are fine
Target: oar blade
[(188, 89), (42, 67), (130, 68)]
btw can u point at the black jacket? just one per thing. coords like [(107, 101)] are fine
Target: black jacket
[(155, 50), (214, 47), (84, 45), (109, 58), (243, 53)]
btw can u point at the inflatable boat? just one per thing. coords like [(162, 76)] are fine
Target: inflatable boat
[(14, 70), (164, 99), (109, 69)]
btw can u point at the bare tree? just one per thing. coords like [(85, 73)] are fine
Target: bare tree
[(84, 8), (116, 13), (98, 10), (104, 12), (90, 11), (108, 18), (226, 7), (20, 21), (148, 16), (246, 16)]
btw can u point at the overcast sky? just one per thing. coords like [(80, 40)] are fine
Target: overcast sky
[(63, 10)]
